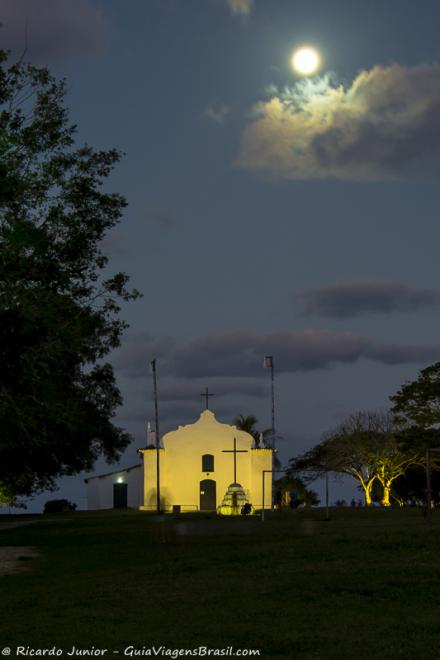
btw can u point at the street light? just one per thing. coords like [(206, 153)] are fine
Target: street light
[(429, 451)]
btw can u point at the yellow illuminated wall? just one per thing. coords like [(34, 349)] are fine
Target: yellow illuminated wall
[(181, 465)]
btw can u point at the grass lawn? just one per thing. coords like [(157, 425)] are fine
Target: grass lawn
[(366, 584)]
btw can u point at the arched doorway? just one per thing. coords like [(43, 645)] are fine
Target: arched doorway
[(208, 499)]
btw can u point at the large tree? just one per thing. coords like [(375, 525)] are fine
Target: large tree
[(367, 447), (58, 312), (418, 401)]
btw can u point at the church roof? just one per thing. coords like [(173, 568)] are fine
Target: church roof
[(207, 429), (109, 474)]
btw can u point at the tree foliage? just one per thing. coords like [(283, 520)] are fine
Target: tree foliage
[(418, 401), (305, 495), (411, 486), (261, 438), (249, 424), (367, 447), (58, 312)]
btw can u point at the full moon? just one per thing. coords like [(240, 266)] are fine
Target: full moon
[(305, 61)]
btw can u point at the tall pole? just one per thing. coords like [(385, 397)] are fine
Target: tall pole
[(156, 415), (262, 508), (327, 517), (268, 363), (428, 486), (272, 379)]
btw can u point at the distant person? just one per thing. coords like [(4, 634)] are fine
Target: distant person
[(293, 499), (246, 509), (279, 500), (353, 502)]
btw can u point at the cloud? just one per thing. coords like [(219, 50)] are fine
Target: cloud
[(240, 7), (181, 401), (239, 355), (194, 392), (54, 28), (164, 218), (217, 113), (384, 126), (357, 298)]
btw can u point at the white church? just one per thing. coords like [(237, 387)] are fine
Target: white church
[(204, 466)]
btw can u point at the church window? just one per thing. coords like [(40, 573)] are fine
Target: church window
[(207, 463)]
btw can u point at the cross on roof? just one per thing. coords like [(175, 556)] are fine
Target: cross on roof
[(235, 451), (206, 394)]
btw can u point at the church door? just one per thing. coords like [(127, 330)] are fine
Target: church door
[(119, 496), (207, 495)]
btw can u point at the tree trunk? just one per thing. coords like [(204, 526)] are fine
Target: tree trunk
[(367, 492), (386, 495)]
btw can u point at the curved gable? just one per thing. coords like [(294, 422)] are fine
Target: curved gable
[(208, 434)]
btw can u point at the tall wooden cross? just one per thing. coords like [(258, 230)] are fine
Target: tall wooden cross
[(235, 451), (206, 394)]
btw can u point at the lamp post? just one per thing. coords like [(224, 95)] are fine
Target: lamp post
[(156, 415), (327, 515), (269, 364), (429, 451)]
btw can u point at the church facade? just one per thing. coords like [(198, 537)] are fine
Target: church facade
[(200, 461), (200, 465)]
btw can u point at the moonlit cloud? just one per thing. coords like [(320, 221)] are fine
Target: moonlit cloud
[(357, 298), (54, 28), (384, 126), (217, 113), (240, 7), (240, 354)]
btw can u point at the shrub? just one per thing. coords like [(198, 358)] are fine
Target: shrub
[(59, 506)]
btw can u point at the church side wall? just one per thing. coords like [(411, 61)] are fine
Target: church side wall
[(150, 481), (100, 489), (261, 460), (134, 481)]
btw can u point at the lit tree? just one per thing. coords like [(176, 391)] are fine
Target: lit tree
[(366, 447), (393, 459)]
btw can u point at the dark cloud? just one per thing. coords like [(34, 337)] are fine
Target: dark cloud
[(386, 125), (401, 354), (240, 354), (134, 358), (190, 391), (172, 415), (54, 28), (163, 218), (356, 298)]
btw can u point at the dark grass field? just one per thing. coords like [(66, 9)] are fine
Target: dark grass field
[(365, 584)]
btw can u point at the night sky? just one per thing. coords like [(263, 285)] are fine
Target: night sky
[(268, 214)]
